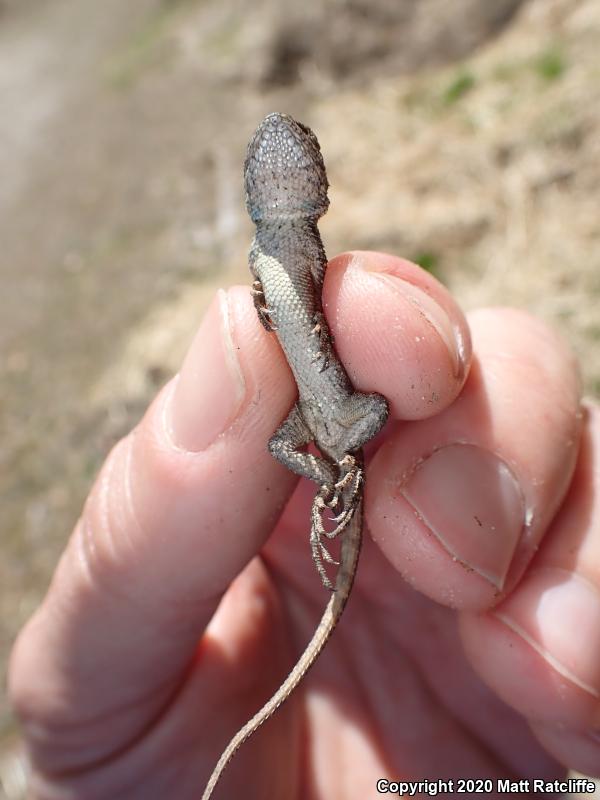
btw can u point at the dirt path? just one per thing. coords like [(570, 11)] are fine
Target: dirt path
[(48, 58)]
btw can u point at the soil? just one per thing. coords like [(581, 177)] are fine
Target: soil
[(466, 139)]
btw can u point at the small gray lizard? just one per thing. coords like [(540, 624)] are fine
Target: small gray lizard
[(286, 193)]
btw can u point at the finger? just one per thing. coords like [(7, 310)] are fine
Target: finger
[(397, 331), (540, 648), (463, 500), (179, 508)]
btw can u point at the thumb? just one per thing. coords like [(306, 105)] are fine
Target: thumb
[(177, 511)]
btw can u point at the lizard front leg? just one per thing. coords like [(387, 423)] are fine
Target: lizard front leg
[(258, 295), (264, 313), (321, 329)]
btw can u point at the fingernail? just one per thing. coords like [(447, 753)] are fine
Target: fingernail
[(558, 613), (435, 316), (471, 501), (210, 388)]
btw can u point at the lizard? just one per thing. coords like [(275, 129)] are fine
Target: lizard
[(286, 194)]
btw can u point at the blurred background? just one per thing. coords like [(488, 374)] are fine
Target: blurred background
[(463, 135)]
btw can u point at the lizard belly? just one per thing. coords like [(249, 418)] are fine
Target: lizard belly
[(294, 306), (291, 303)]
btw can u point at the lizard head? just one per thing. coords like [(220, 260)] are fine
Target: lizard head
[(284, 171)]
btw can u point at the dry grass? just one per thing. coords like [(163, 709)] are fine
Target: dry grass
[(488, 172)]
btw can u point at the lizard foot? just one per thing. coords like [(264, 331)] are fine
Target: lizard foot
[(346, 492), (349, 469), (350, 485), (332, 498), (321, 330), (264, 313)]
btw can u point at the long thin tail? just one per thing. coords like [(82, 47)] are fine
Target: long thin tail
[(350, 550)]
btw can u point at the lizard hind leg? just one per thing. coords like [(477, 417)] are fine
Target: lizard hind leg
[(285, 444), (362, 416)]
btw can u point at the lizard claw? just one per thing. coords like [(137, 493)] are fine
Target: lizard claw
[(321, 330), (318, 355), (264, 313), (326, 498), (265, 318)]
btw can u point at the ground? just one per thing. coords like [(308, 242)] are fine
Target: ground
[(465, 136)]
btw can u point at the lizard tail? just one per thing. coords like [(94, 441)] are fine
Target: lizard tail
[(350, 550)]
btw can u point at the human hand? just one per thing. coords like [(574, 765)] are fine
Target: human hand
[(483, 495)]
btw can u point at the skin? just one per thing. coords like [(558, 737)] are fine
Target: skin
[(133, 674)]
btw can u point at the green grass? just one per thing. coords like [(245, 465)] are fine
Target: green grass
[(462, 83), (551, 64), (428, 260)]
